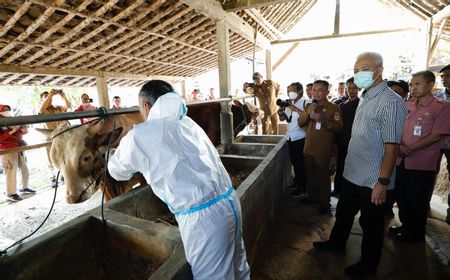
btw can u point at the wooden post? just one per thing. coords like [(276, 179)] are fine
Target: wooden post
[(428, 33), (183, 90), (102, 92), (268, 65), (223, 44), (337, 15)]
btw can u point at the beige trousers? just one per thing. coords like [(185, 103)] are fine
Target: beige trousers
[(273, 121), (10, 163)]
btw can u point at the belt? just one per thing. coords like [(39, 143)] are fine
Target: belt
[(205, 205)]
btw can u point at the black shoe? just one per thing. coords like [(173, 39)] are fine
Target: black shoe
[(395, 230), (14, 197), (409, 238), (359, 270), (335, 194), (27, 190), (328, 246), (324, 210)]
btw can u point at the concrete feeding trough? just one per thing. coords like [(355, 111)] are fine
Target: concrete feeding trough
[(139, 238), (84, 248)]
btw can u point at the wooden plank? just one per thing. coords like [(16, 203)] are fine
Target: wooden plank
[(249, 4), (344, 35), (223, 45), (17, 15), (7, 68), (213, 10), (25, 148)]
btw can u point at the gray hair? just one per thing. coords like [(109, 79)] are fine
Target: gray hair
[(376, 57)]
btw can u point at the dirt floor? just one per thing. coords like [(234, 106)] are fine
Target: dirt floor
[(18, 219), (289, 253)]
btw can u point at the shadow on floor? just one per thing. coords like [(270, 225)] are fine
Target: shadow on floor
[(288, 252)]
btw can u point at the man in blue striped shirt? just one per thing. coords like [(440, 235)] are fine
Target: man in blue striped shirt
[(369, 166)]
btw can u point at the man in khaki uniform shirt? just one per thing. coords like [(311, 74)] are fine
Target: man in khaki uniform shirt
[(322, 120), (267, 92)]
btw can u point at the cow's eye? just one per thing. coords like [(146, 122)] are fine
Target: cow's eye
[(87, 158)]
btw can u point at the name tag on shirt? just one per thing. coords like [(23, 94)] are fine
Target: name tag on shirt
[(318, 125), (417, 130)]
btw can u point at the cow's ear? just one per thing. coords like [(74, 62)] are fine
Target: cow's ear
[(108, 138), (95, 128), (237, 103)]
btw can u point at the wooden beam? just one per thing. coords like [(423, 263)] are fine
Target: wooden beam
[(344, 35), (337, 15), (223, 45), (213, 10), (285, 55), (437, 38), (7, 68), (268, 64), (102, 92), (264, 23), (442, 14), (249, 4)]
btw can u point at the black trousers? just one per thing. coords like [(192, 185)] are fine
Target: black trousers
[(412, 188), (297, 161), (356, 198), (340, 163)]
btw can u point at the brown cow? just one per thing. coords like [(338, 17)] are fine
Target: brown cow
[(77, 152)]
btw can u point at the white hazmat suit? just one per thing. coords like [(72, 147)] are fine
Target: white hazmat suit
[(184, 169)]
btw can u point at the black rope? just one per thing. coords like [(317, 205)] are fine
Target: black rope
[(3, 252)]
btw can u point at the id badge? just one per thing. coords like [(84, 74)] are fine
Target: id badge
[(318, 125), (417, 130)]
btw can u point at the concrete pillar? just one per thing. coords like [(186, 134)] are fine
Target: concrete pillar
[(102, 92), (226, 118)]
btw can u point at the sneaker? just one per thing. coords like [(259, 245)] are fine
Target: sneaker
[(328, 246), (52, 182), (27, 190), (359, 270), (14, 197)]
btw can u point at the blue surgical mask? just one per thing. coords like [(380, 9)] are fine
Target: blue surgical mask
[(363, 79)]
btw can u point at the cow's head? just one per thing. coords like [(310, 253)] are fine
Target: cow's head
[(77, 153), (244, 114)]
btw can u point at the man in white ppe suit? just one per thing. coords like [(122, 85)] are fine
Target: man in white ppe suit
[(184, 169)]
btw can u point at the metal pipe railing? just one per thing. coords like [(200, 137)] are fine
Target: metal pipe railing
[(32, 119), (24, 148)]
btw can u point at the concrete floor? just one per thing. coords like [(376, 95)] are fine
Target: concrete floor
[(289, 254)]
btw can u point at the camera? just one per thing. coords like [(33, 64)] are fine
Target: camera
[(58, 91), (90, 100), (284, 103), (252, 85)]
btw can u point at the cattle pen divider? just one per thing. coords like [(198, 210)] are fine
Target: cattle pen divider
[(33, 119)]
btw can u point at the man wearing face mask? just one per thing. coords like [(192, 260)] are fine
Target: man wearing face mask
[(369, 166), (10, 137), (322, 120), (295, 136)]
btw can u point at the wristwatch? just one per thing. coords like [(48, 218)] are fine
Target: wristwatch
[(384, 181)]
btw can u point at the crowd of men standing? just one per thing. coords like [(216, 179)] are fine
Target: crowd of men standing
[(389, 142)]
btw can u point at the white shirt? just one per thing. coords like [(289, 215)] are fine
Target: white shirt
[(294, 131)]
